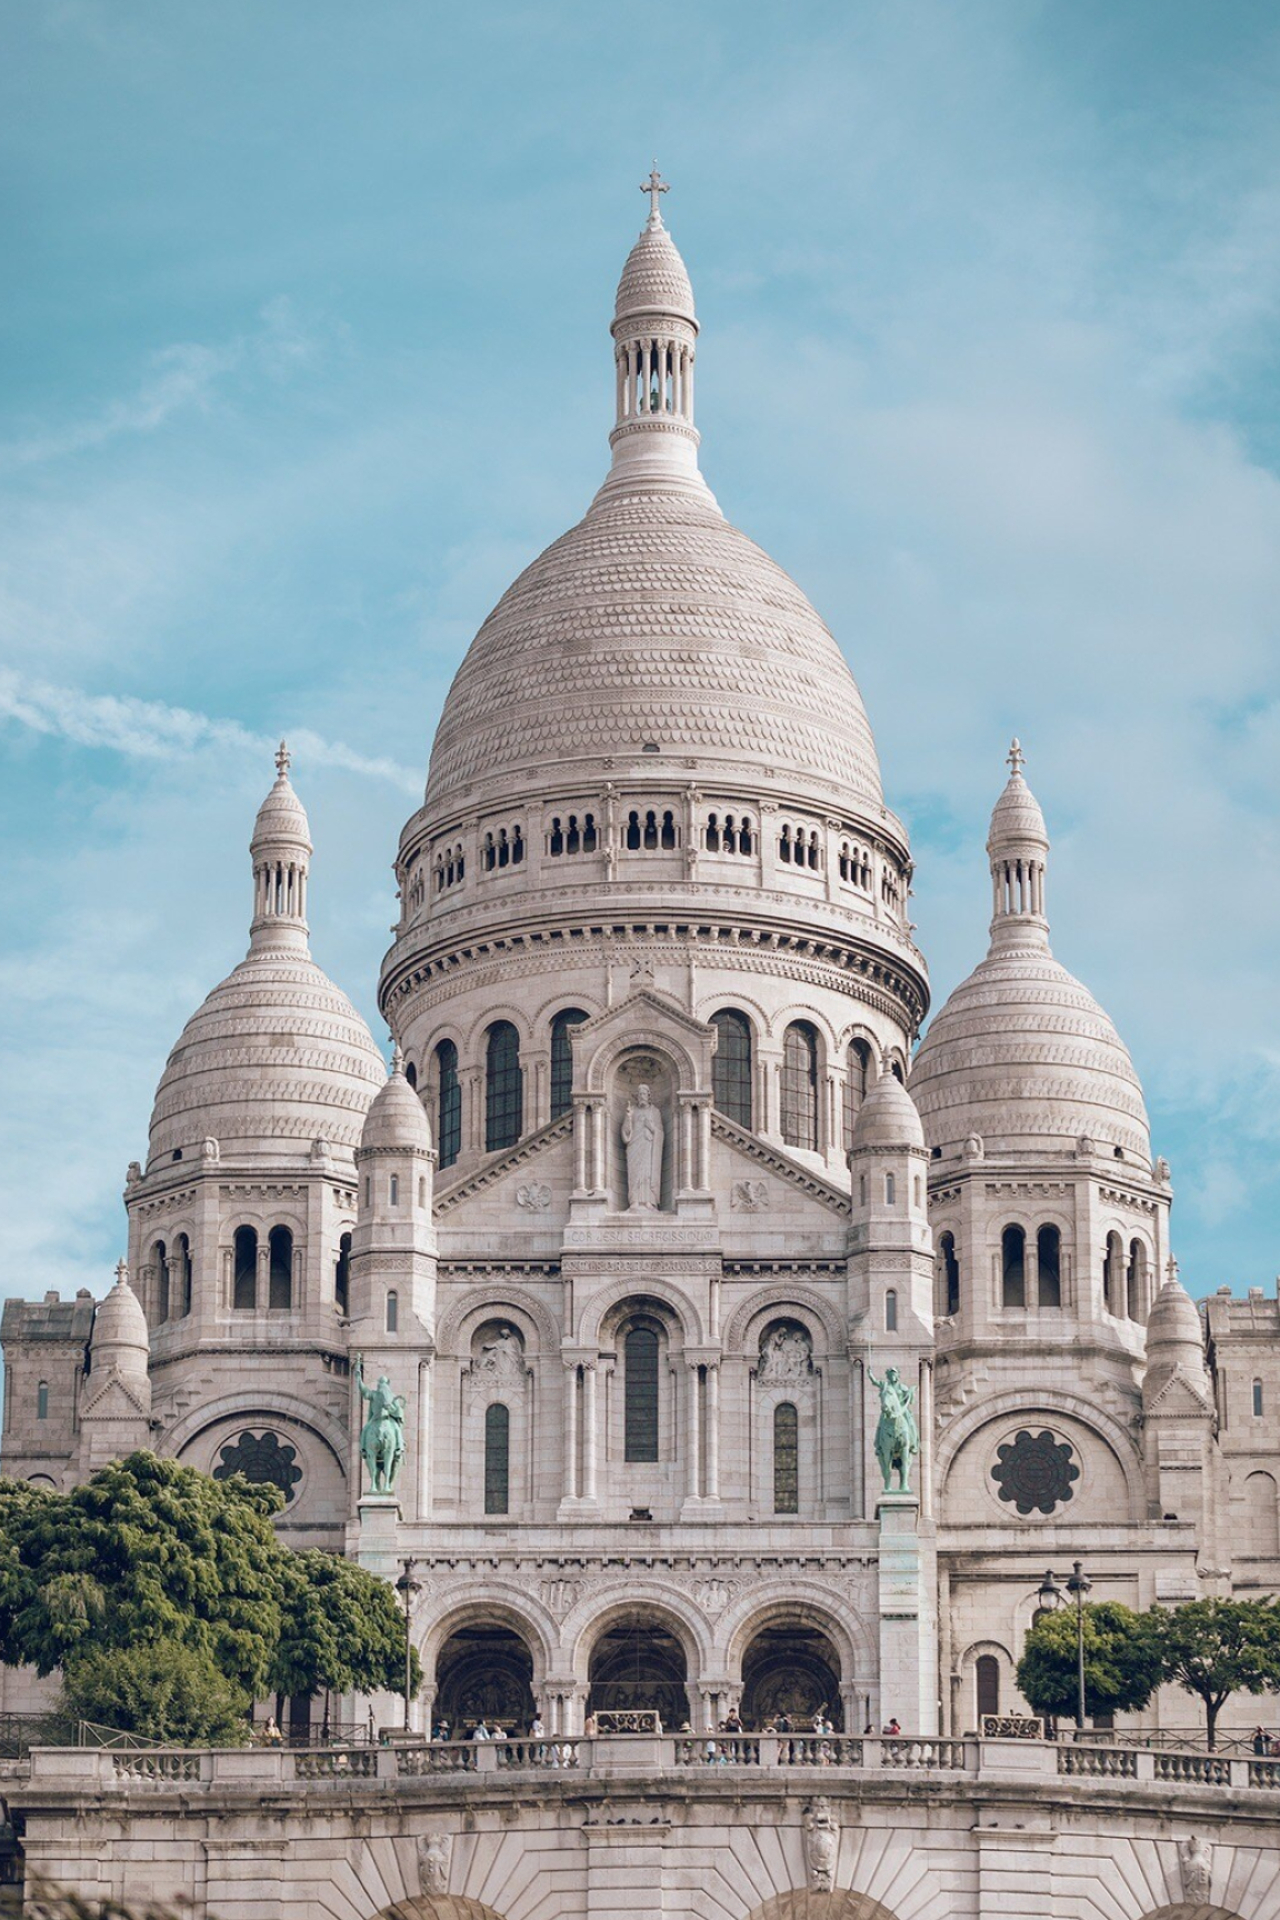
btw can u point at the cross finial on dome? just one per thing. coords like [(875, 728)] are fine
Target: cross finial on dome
[(1016, 758), (122, 1273), (653, 186), (1171, 1272), (284, 759), (397, 1059)]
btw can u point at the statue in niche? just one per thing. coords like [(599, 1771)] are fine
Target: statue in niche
[(784, 1356), (642, 1135), (501, 1354), (821, 1845), (897, 1435)]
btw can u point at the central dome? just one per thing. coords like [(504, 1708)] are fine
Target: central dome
[(654, 624)]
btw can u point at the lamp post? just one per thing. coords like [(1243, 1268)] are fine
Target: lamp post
[(406, 1587), (1051, 1596)]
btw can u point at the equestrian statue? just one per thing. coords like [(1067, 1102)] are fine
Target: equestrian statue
[(382, 1436)]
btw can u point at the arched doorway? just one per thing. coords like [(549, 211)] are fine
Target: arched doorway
[(802, 1903), (484, 1672), (437, 1906), (638, 1665), (791, 1669)]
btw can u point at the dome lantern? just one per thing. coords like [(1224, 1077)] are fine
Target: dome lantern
[(281, 853), (1018, 847)]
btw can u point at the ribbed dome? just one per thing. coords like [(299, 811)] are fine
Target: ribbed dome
[(1023, 1056), (1016, 819), (276, 1054), (282, 816), (653, 622), (654, 279), (396, 1120), (888, 1119), (119, 1338), (1174, 1321)]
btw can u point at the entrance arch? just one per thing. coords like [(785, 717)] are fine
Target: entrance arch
[(437, 1906), (792, 1669), (637, 1664), (484, 1672), (803, 1904)]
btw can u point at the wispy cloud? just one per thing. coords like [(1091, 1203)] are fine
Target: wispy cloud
[(150, 730)]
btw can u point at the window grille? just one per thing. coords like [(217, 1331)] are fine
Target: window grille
[(731, 1065), (786, 1459), (640, 1395), (800, 1086), (448, 1104), (497, 1453), (857, 1073), (562, 1059), (504, 1087)]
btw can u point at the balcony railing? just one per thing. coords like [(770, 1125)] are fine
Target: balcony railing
[(707, 1756)]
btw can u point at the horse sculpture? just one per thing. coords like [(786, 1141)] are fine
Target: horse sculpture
[(382, 1436), (897, 1436)]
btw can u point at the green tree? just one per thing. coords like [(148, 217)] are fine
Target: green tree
[(1214, 1648), (1122, 1666), (341, 1629), (160, 1689)]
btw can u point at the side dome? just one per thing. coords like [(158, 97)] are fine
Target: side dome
[(1021, 1055), (1174, 1326), (889, 1119), (277, 1057), (119, 1339), (397, 1121)]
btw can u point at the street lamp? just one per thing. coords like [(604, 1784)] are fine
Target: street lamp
[(1051, 1596), (406, 1587)]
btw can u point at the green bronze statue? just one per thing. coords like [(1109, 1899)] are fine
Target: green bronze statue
[(382, 1436), (897, 1436)]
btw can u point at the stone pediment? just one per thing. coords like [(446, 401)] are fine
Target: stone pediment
[(115, 1399), (536, 1171), (646, 1018), (1178, 1399), (760, 1178)]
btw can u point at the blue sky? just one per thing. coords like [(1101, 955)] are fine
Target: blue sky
[(304, 353)]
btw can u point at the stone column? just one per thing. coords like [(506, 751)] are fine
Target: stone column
[(693, 1437), (570, 1489), (713, 1433), (589, 1431)]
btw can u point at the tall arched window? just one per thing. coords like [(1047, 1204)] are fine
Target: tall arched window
[(280, 1285), (497, 1452), (1013, 1267), (1257, 1399), (448, 1104), (948, 1275), (891, 1310), (640, 1394), (857, 1079), (160, 1260), (1262, 1515), (987, 1675), (1113, 1275), (800, 1086), (562, 1059), (1049, 1267), (731, 1065), (503, 1087), (786, 1458), (42, 1400), (1136, 1281), (342, 1277), (393, 1312), (182, 1275), (411, 1074), (245, 1285)]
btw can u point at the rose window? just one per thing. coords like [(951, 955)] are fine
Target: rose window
[(260, 1457), (1036, 1472)]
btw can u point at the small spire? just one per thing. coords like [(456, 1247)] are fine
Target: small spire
[(284, 759), (653, 186), (122, 1273), (1016, 758), (1172, 1276), (397, 1059)]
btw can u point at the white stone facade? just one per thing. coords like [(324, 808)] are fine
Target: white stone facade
[(654, 853)]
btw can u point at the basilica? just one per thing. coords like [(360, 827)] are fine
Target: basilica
[(738, 1353)]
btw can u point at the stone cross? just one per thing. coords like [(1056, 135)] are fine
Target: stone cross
[(284, 759), (1017, 758), (653, 186)]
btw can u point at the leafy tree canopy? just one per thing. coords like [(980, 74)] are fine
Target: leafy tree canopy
[(1214, 1648), (162, 1690), (1121, 1663), (150, 1554)]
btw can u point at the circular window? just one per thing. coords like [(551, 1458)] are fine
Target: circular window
[(260, 1457), (1035, 1472)]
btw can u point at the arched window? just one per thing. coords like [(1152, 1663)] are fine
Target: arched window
[(731, 1065), (987, 1674), (280, 1288), (949, 1275), (800, 1086), (633, 832), (1136, 1281), (1013, 1267), (891, 1310), (342, 1277), (1049, 1267), (562, 1059), (1257, 1399), (890, 1190), (497, 1452), (786, 1458), (395, 1190), (245, 1288), (895, 1068), (182, 1275), (448, 1104), (411, 1074), (1262, 1515), (393, 1311), (503, 1087), (1113, 1275), (160, 1260), (857, 1074), (640, 1394), (42, 1400)]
